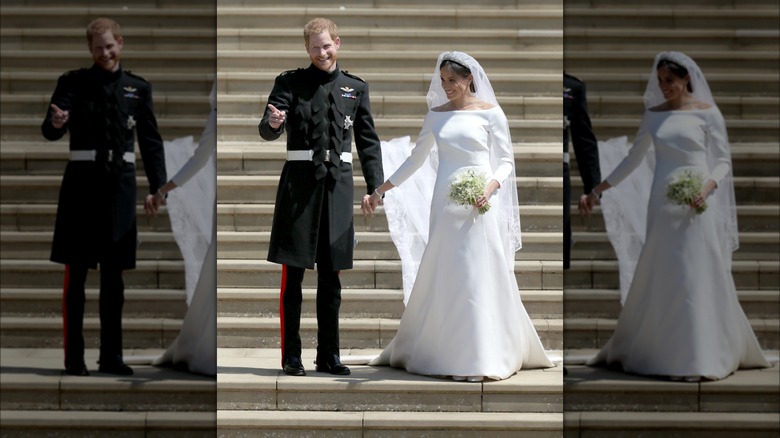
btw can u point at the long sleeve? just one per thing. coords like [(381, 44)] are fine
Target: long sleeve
[(151, 144), (642, 142), (368, 144), (206, 148), (61, 98), (584, 141), (425, 142), (502, 147), (718, 146), (280, 97)]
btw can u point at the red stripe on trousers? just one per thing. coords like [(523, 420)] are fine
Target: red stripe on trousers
[(281, 306), (65, 311)]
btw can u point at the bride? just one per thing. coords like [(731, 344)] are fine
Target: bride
[(464, 317), (681, 317)]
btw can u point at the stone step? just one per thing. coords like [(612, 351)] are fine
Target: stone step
[(142, 39), (394, 106), (758, 218), (240, 423), (720, 4), (752, 246), (602, 390), (360, 303), (748, 190), (727, 84), (732, 107), (632, 60), (146, 16), (21, 245), (595, 332), (267, 158), (249, 189), (739, 130), (139, 303), (527, 84), (403, 4), (379, 274), (251, 379), (40, 217), (44, 189), (390, 38), (34, 380), (605, 303), (748, 160), (143, 61), (46, 332), (258, 332), (27, 423), (258, 217), (671, 424), (524, 130), (376, 245), (543, 17), (600, 274), (165, 105), (188, 83), (747, 39), (372, 60), (672, 17), (148, 274), (27, 128)]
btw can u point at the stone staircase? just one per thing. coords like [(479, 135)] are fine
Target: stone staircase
[(610, 45), (171, 44), (393, 46)]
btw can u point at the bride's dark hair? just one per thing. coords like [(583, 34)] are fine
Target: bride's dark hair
[(676, 69), (459, 69)]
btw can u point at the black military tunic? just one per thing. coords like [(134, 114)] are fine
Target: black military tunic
[(577, 121), (96, 219), (323, 110)]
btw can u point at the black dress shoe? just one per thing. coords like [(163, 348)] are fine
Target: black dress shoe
[(294, 367), (331, 365), (76, 370), (118, 368)]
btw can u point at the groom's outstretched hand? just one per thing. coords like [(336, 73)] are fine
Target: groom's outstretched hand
[(585, 205)]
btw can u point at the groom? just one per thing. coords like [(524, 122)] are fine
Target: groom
[(321, 107)]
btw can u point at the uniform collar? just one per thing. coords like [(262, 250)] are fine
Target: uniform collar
[(323, 77), (105, 76)]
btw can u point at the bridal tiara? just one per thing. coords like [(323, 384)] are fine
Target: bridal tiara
[(458, 58)]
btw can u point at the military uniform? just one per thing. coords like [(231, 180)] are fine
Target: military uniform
[(96, 221), (314, 203), (577, 121)]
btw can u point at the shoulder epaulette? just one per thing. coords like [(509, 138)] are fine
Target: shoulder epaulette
[(574, 78), (74, 72), (129, 73), (346, 73), (290, 71)]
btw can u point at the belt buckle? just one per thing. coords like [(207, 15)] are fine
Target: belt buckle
[(327, 155)]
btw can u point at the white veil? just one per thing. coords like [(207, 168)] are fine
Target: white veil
[(408, 229), (625, 206)]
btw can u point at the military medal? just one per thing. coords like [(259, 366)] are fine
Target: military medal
[(348, 92), (348, 122), (130, 122), (130, 92)]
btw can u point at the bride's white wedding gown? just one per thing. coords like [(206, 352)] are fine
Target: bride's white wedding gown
[(681, 316), (464, 316)]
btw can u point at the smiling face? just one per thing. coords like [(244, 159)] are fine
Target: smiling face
[(455, 85), (323, 50), (106, 50), (672, 86)]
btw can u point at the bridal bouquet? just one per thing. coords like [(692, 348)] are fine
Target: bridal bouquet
[(685, 187), (467, 187)]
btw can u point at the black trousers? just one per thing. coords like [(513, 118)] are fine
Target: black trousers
[(328, 300), (566, 216), (112, 299)]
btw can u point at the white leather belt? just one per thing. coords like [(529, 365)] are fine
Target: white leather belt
[(129, 157), (566, 157), (309, 154)]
